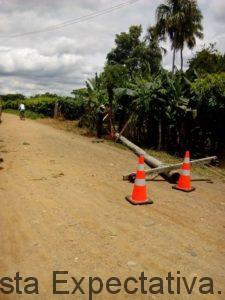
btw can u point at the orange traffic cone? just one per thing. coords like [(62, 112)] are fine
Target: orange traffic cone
[(139, 195), (184, 182)]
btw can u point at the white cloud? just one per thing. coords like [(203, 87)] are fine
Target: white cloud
[(26, 60), (217, 10)]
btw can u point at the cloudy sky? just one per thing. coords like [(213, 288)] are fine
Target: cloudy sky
[(60, 60)]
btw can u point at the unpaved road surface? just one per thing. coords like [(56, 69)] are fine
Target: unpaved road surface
[(63, 208)]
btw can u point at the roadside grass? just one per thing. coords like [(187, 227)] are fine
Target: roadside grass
[(28, 114), (117, 145), (204, 171), (66, 125), (163, 156)]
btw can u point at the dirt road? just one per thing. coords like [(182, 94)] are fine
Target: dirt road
[(63, 209)]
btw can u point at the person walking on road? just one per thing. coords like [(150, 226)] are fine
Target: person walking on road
[(22, 111)]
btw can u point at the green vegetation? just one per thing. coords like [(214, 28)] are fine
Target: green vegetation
[(207, 61), (169, 111), (43, 105), (28, 114), (210, 101)]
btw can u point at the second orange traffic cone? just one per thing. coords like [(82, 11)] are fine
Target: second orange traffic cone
[(139, 195), (184, 182)]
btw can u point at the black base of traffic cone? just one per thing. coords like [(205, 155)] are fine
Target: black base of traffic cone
[(129, 199), (183, 190)]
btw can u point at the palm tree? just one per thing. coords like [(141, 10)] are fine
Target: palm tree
[(166, 15), (181, 21), (191, 27)]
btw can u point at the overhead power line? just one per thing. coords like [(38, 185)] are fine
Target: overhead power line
[(75, 20)]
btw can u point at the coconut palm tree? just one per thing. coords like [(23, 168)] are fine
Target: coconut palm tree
[(167, 15), (181, 21), (191, 27)]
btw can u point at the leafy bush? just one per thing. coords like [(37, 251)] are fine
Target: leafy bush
[(207, 61), (72, 109), (209, 97)]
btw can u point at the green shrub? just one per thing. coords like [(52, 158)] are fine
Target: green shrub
[(72, 109), (209, 97)]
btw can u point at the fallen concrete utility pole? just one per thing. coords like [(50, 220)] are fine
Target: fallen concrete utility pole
[(149, 160), (171, 167)]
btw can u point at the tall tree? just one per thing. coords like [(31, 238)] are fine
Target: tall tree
[(181, 21), (139, 56), (166, 15), (126, 45), (190, 27), (155, 52)]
